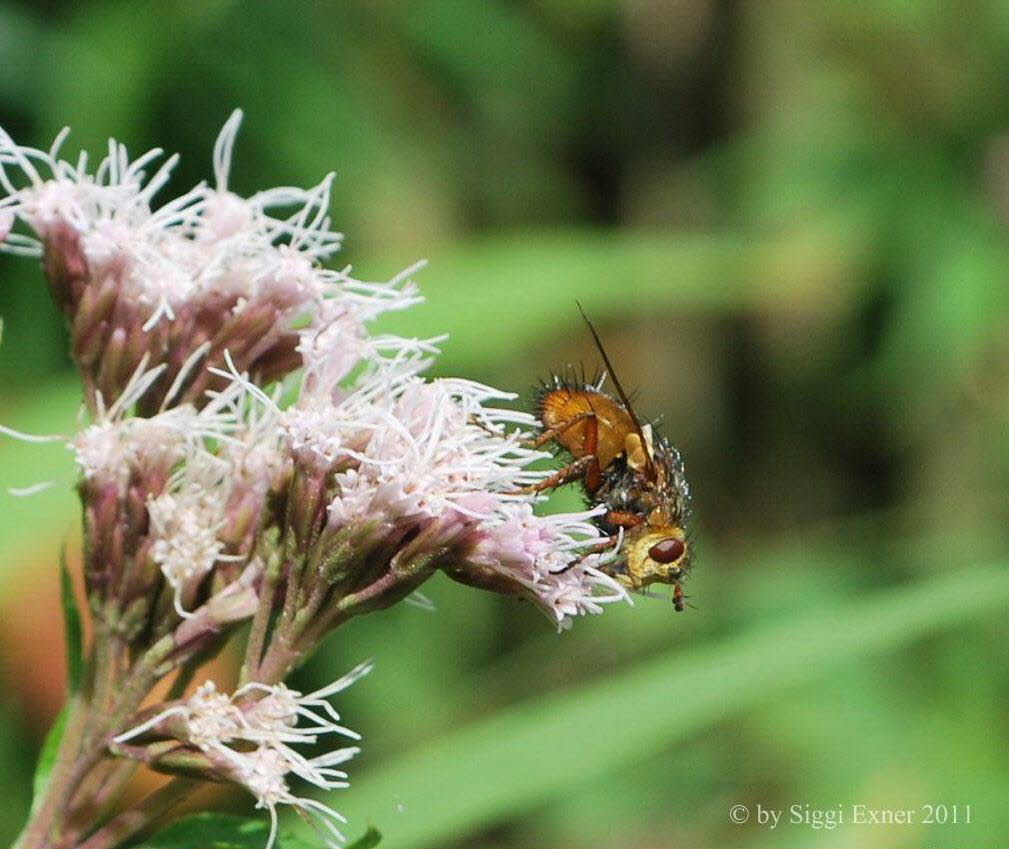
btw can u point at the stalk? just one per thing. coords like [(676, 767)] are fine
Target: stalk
[(151, 809), (46, 809)]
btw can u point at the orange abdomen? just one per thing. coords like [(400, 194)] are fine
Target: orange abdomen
[(562, 404)]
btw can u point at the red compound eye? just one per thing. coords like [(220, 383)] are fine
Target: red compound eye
[(668, 550)]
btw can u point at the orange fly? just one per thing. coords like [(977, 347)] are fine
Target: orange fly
[(628, 468)]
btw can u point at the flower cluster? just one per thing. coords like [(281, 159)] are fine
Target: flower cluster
[(206, 273), (250, 737), (217, 492)]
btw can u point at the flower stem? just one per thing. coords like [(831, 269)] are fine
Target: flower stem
[(96, 795), (128, 823), (84, 739), (46, 808), (260, 622)]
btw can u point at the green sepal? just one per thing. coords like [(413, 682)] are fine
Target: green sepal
[(72, 629)]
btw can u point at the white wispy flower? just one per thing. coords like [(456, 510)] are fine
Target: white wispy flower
[(184, 526), (406, 450), (212, 719), (551, 557), (117, 194), (423, 449), (263, 772), (208, 255), (116, 442), (186, 521), (331, 353), (279, 709), (271, 719), (253, 445)]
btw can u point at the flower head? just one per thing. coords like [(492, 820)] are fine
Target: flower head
[(548, 559), (185, 526), (251, 736), (207, 270), (422, 449)]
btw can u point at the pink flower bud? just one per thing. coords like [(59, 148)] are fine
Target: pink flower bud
[(235, 602), (65, 266)]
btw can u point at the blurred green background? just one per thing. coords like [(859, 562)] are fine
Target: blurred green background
[(788, 218)]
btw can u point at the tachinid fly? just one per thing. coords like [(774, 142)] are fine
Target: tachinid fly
[(629, 469)]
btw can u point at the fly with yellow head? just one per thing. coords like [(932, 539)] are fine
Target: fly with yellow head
[(626, 467)]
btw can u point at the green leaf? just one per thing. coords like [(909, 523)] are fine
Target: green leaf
[(212, 831), (73, 633), (229, 831), (47, 757), (369, 840)]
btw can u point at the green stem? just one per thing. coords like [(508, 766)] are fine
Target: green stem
[(260, 622), (84, 741), (96, 795), (283, 654), (47, 808), (142, 816), (139, 683), (102, 679)]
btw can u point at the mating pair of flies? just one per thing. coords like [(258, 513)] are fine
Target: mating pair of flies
[(629, 469)]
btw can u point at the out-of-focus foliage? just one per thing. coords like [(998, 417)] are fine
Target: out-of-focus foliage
[(789, 220)]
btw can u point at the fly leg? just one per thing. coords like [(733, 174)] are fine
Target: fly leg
[(585, 467), (679, 599), (613, 517), (562, 476), (598, 548), (486, 428), (593, 474), (559, 428)]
